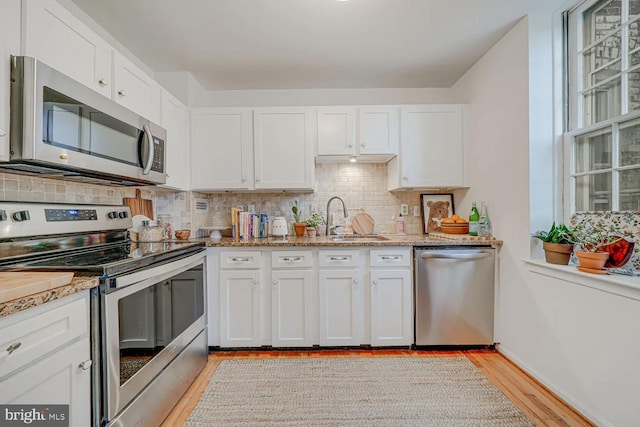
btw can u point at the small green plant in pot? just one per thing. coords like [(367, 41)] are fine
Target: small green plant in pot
[(557, 243), (313, 222), (298, 225)]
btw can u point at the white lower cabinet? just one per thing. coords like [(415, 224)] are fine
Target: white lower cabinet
[(391, 297), (291, 299), (240, 299), (341, 301), (45, 357), (301, 298)]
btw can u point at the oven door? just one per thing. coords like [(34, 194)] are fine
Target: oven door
[(146, 323)]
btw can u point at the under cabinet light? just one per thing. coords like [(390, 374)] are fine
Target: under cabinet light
[(352, 159)]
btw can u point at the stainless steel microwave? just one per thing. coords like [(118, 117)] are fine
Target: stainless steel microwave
[(63, 129)]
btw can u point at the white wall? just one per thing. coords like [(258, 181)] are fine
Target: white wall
[(581, 342)]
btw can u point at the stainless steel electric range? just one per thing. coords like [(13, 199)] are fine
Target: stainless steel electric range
[(148, 316)]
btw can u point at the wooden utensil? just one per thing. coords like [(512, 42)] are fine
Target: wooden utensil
[(138, 205), (363, 223), (14, 285)]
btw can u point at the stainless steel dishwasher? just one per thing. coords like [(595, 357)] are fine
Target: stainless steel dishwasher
[(454, 295)]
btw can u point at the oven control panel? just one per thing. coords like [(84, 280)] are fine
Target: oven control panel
[(24, 219), (70, 215)]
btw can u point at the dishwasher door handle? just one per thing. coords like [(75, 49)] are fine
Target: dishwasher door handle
[(479, 255)]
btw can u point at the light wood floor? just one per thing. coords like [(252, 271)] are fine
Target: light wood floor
[(540, 405)]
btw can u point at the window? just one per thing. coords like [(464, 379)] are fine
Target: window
[(604, 106)]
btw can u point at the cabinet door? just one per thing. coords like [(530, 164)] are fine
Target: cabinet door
[(431, 153), (291, 320), (176, 120), (57, 379), (134, 89), (56, 37), (240, 308), (9, 45), (283, 148), (336, 131), (378, 130), (341, 307), (391, 308), (221, 149)]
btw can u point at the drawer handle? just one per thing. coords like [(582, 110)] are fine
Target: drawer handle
[(389, 258), (85, 365), (13, 347), (296, 258), (339, 258), (240, 259)]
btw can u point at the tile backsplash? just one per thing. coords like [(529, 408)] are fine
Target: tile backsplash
[(362, 186)]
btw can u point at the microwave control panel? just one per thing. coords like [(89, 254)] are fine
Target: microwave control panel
[(158, 155)]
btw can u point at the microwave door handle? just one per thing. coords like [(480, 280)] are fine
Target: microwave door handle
[(150, 150)]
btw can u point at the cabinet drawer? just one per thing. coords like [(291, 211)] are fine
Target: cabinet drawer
[(26, 336), (339, 258), (390, 257), (239, 260), (291, 259)]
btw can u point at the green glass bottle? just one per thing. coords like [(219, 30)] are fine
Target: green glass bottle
[(474, 217)]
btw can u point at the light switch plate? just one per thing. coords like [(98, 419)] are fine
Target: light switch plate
[(404, 209), (416, 211)]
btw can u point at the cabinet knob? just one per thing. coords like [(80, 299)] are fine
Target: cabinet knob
[(404, 178), (257, 179), (350, 145), (85, 365), (244, 179), (255, 282), (2, 132), (103, 82), (274, 282), (13, 347), (64, 156), (375, 282), (356, 281), (363, 145), (122, 93)]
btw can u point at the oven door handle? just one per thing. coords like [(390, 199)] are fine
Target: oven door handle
[(172, 267)]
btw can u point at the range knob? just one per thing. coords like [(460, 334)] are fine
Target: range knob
[(112, 215), (123, 214), (21, 216), (3, 215)]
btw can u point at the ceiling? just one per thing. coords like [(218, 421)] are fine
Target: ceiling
[(311, 44)]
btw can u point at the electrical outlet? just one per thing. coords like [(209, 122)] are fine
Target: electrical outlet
[(252, 208), (404, 209), (416, 211), (241, 207)]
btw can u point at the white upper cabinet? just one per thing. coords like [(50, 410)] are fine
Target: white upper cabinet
[(431, 148), (368, 132), (56, 37), (176, 120), (283, 148), (9, 45), (134, 89), (337, 131), (378, 127), (222, 149)]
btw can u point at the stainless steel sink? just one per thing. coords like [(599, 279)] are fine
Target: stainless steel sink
[(357, 239)]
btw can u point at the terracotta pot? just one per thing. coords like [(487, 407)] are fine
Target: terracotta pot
[(311, 231), (557, 253), (592, 260), (300, 228)]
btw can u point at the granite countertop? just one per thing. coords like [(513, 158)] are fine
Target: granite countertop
[(437, 239), (78, 284)]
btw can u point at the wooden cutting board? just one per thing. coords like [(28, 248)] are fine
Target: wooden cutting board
[(14, 285), (363, 223), (138, 205)]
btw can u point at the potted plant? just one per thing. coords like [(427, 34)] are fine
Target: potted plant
[(313, 222), (557, 243), (597, 242), (298, 225)]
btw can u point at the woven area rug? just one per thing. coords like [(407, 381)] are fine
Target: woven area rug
[(447, 391)]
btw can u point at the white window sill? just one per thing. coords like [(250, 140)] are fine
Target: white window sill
[(625, 286)]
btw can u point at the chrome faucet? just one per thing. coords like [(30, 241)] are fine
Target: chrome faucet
[(344, 208)]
